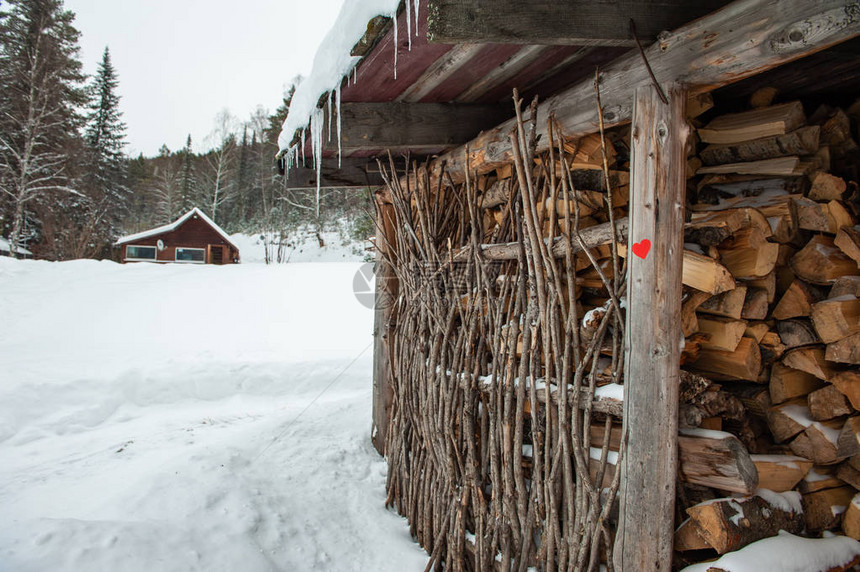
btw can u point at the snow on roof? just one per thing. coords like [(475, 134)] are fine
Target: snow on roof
[(333, 61), (173, 226), (5, 247)]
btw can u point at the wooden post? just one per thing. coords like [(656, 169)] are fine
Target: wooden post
[(651, 378), (386, 291)]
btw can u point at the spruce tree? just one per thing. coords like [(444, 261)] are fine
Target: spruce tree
[(188, 180), (107, 167), (40, 77)]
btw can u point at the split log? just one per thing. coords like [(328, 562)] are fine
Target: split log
[(771, 349), (725, 333), (846, 286), (835, 124), (784, 274), (848, 475), (782, 166), (729, 304), (689, 305), (826, 187), (754, 124), (821, 262), (712, 228), (731, 524), (755, 304), (780, 473), (822, 217), (846, 350), (787, 383), (797, 301), (819, 478), (716, 459), (788, 419), (819, 443), (848, 382), (848, 241), (836, 318), (756, 330), (811, 360), (763, 97), (698, 104), (803, 141), (753, 262), (705, 274), (744, 363), (779, 209), (849, 438), (797, 332), (823, 510), (827, 403), (688, 537), (766, 282), (851, 519)]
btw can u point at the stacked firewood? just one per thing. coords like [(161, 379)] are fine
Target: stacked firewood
[(770, 388), (772, 317), (770, 436)]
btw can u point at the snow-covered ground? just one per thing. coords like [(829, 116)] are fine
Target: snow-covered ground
[(303, 246), (168, 417)]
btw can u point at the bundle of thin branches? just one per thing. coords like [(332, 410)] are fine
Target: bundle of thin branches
[(489, 442)]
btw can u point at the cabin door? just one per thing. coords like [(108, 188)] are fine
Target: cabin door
[(216, 254)]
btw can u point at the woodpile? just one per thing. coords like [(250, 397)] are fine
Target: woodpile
[(770, 385), (775, 203)]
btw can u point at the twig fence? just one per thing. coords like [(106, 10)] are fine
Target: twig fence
[(499, 455)]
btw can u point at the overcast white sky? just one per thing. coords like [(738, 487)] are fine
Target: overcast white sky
[(182, 61)]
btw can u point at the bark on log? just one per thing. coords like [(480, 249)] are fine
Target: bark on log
[(731, 524)]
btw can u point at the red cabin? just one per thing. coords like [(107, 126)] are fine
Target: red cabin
[(193, 238)]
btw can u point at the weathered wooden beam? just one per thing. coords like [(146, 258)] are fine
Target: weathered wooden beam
[(400, 125), (564, 22), (652, 376), (351, 173), (385, 293), (439, 71), (740, 40)]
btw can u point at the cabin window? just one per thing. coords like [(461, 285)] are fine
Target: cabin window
[(197, 255), (140, 252)]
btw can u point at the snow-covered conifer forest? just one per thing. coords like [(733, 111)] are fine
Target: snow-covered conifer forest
[(68, 187)]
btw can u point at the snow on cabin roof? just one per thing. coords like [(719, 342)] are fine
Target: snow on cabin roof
[(333, 61), (5, 247), (173, 226)]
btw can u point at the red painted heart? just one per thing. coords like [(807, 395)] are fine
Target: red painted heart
[(641, 249)]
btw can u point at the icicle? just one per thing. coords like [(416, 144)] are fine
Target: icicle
[(317, 120), (329, 116), (409, 23), (355, 75), (303, 146), (417, 8), (394, 17), (337, 102)]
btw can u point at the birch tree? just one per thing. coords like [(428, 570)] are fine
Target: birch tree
[(40, 77), (218, 187)]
